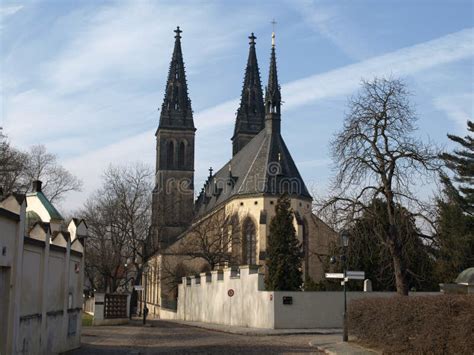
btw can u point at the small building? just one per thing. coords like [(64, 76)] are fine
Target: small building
[(41, 276), (464, 283)]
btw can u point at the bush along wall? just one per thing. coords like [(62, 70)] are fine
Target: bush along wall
[(441, 324)]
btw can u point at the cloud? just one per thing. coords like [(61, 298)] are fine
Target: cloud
[(9, 10), (210, 122), (458, 108), (328, 19), (345, 80), (403, 62), (100, 82)]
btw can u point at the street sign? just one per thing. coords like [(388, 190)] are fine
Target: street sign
[(230, 293), (331, 275), (355, 275), (138, 287)]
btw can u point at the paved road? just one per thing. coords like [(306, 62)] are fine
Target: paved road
[(172, 338)]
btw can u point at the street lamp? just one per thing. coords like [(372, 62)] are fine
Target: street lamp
[(145, 308), (344, 235)]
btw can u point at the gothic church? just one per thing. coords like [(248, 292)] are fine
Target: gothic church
[(237, 201)]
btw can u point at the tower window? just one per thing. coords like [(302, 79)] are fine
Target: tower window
[(182, 155), (170, 155), (249, 246)]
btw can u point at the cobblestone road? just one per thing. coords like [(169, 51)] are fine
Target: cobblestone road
[(172, 338)]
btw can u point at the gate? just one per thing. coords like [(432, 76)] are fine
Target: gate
[(115, 306)]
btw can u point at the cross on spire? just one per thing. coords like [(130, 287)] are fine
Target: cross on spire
[(252, 38), (273, 22), (178, 32), (176, 108), (273, 32)]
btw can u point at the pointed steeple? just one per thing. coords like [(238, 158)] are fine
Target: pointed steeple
[(272, 94), (176, 109), (251, 113)]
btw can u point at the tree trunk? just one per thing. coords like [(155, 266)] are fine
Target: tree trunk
[(398, 262)]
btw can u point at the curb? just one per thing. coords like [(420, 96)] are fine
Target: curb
[(255, 331), (342, 348)]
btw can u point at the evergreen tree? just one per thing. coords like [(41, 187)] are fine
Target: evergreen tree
[(455, 215), (454, 239), (461, 163), (368, 252), (284, 250)]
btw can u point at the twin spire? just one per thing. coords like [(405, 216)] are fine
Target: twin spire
[(253, 113)]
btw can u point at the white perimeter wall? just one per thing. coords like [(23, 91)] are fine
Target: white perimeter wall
[(206, 299)]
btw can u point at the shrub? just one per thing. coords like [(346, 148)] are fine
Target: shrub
[(441, 324)]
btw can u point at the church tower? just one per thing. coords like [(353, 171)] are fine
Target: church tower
[(173, 196), (251, 113)]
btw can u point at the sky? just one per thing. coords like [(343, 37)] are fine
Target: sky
[(86, 78)]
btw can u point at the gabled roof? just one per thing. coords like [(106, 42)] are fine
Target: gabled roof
[(78, 221), (263, 166), (52, 211), (46, 227), (19, 197), (66, 235)]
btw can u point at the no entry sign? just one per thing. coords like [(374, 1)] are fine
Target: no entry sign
[(230, 293)]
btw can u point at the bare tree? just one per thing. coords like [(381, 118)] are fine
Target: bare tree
[(376, 156), (118, 216), (214, 239), (12, 165), (57, 181)]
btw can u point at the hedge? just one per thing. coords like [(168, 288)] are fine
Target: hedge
[(442, 324)]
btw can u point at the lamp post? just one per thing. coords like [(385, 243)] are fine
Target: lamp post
[(345, 244), (145, 308)]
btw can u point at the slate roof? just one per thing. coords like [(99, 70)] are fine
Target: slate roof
[(263, 166)]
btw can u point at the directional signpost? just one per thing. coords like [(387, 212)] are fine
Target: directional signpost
[(350, 275), (355, 275), (346, 276)]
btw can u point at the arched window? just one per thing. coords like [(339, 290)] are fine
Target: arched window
[(249, 245), (181, 155), (170, 155), (305, 247)]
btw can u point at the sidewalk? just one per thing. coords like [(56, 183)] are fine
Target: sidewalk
[(251, 331), (327, 340)]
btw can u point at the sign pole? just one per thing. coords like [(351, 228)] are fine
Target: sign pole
[(345, 336)]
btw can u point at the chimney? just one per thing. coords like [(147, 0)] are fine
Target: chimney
[(37, 186)]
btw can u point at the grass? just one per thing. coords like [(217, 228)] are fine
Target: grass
[(86, 319)]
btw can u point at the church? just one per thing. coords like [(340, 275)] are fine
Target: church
[(227, 224)]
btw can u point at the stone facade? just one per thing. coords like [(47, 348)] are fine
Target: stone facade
[(173, 196)]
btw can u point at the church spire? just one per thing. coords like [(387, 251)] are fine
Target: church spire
[(251, 112), (176, 109), (272, 94)]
